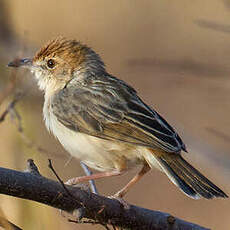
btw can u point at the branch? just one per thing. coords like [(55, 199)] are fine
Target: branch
[(10, 107), (31, 185), (10, 86)]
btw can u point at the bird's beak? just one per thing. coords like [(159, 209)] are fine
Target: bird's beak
[(26, 62)]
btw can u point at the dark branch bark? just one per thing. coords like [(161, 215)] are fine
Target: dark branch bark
[(31, 185)]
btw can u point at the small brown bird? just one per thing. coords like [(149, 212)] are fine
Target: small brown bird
[(101, 120)]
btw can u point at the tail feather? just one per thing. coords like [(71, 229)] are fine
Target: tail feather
[(187, 189), (186, 177), (200, 183)]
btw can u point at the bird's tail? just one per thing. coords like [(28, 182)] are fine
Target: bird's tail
[(185, 176)]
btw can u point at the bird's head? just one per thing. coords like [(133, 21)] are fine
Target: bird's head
[(59, 61)]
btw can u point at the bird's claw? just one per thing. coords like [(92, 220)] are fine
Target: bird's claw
[(123, 202)]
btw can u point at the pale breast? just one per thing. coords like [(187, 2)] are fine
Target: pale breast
[(97, 153)]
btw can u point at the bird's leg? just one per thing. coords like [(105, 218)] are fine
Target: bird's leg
[(93, 177), (133, 181), (88, 172)]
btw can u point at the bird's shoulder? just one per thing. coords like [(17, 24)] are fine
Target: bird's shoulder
[(90, 101)]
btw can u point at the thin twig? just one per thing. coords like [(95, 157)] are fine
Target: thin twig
[(59, 179), (32, 168), (28, 142), (10, 87), (106, 227), (12, 110), (70, 157), (6, 224), (218, 133), (31, 144), (13, 226), (80, 211), (10, 107)]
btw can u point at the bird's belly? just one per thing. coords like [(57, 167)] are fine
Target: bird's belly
[(97, 153)]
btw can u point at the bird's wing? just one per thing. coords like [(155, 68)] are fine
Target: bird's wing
[(110, 109)]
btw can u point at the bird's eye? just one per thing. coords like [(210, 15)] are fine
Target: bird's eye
[(51, 63)]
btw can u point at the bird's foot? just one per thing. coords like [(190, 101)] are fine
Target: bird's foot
[(72, 181), (123, 202)]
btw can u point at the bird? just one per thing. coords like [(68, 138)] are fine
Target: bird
[(102, 121)]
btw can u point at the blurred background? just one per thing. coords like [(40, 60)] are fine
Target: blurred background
[(175, 53)]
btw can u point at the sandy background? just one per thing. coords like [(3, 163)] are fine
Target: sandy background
[(175, 53)]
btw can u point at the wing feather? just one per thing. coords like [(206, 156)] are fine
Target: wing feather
[(110, 109)]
